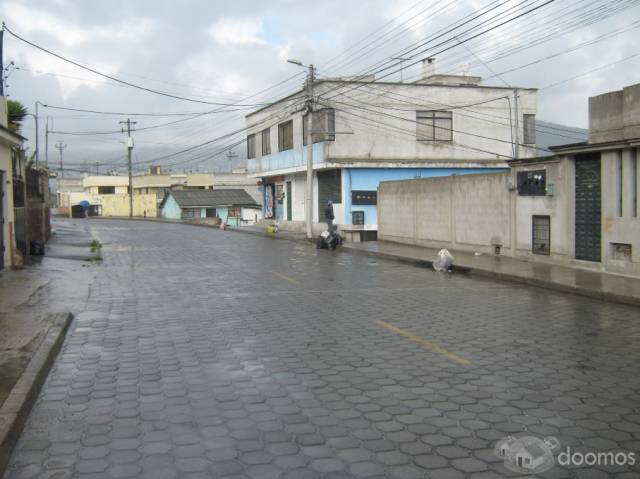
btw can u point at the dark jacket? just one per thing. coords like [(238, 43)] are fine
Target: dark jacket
[(328, 212)]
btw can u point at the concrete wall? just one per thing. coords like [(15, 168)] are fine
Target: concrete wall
[(558, 204), (615, 115), (118, 205), (370, 178), (470, 212), (617, 228), (6, 202)]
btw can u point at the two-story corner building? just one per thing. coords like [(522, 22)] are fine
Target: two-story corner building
[(366, 132)]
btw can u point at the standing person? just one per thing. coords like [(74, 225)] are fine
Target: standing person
[(329, 216)]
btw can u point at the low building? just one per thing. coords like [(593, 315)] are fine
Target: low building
[(107, 195), (9, 169), (159, 184), (233, 206)]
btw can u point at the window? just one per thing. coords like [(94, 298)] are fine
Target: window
[(619, 189), (266, 141), (323, 128), (251, 146), (106, 190), (210, 213), (357, 217), (188, 213), (234, 212), (285, 135), (532, 183), (529, 129), (541, 228), (434, 126), (364, 197)]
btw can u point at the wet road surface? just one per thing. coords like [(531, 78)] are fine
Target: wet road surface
[(206, 353)]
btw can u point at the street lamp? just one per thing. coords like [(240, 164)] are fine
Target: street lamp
[(308, 205)]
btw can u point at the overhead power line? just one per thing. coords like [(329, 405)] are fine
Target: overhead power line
[(118, 80)]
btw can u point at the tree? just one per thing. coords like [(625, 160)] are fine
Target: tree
[(16, 112)]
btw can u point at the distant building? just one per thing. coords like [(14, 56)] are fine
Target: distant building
[(366, 132), (108, 194), (233, 206)]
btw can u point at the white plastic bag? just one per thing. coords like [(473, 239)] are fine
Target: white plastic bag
[(444, 262)]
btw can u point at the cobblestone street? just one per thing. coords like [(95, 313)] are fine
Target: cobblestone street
[(207, 353)]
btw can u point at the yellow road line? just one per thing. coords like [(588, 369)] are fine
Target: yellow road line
[(425, 342), (286, 278)]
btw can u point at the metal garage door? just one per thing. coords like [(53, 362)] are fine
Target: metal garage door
[(329, 189), (588, 206)]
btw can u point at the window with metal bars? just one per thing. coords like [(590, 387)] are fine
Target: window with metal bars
[(541, 229)]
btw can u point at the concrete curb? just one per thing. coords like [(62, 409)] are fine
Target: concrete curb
[(471, 271), (601, 295), (274, 236), (16, 408)]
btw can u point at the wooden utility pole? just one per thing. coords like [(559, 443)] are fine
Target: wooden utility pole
[(60, 147), (128, 122)]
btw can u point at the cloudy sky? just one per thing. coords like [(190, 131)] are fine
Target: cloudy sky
[(219, 52)]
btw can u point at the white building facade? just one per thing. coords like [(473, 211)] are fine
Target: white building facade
[(366, 132)]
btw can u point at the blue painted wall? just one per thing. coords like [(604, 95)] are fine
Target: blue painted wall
[(370, 178), (171, 209), (222, 212)]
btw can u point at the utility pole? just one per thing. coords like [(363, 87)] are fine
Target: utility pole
[(309, 203), (129, 148), (46, 140), (97, 168), (60, 146), (230, 156), (37, 147), (517, 122), (1, 61)]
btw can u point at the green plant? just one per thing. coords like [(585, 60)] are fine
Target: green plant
[(16, 112), (95, 246)]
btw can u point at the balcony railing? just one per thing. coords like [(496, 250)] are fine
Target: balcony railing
[(285, 160)]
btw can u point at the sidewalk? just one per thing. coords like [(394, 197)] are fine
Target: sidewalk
[(37, 304), (606, 286)]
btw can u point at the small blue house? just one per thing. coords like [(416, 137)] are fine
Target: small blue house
[(233, 206)]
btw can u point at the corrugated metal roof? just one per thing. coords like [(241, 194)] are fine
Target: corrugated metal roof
[(212, 198)]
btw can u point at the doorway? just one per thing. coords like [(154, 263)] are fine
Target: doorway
[(588, 205)]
